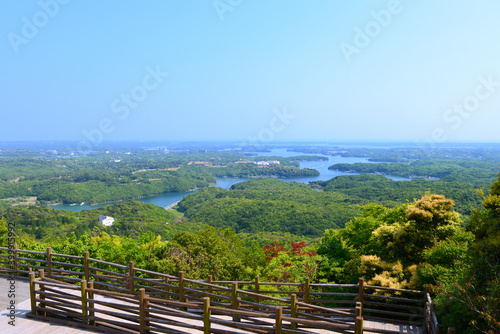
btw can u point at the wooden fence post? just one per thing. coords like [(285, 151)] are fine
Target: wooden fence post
[(234, 299), (181, 289), (167, 281), (91, 303), (131, 278), (279, 316), (359, 318), (257, 288), (206, 315), (32, 293), (294, 309), (361, 290), (84, 301), (142, 311), (15, 267), (307, 290), (86, 265), (451, 330), (41, 274), (49, 262), (210, 280), (146, 312), (359, 325), (359, 309)]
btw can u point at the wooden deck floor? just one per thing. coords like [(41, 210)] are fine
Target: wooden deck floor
[(21, 291), (29, 325)]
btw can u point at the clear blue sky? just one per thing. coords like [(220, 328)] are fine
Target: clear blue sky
[(68, 68)]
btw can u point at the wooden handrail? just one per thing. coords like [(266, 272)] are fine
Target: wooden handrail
[(129, 279)]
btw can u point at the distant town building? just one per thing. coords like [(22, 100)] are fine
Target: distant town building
[(105, 220), (259, 163)]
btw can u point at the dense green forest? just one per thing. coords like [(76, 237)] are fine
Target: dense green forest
[(413, 245), (379, 189), (132, 218), (270, 205), (251, 170), (439, 231)]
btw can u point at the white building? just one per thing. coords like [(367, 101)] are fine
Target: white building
[(106, 221)]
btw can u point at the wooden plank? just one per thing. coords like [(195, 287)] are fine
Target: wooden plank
[(67, 264), (117, 295), (127, 308), (108, 271), (111, 286), (319, 308), (219, 311), (61, 285), (53, 295), (173, 323), (241, 325), (162, 329), (340, 294), (328, 285), (171, 312), (27, 251), (114, 322), (108, 263), (131, 318), (154, 273), (171, 302)]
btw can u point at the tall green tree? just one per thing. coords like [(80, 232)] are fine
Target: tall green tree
[(471, 298)]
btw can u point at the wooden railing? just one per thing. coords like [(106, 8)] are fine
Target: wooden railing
[(72, 304), (338, 307)]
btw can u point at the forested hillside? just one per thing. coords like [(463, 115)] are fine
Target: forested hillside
[(413, 245), (379, 189), (270, 205), (132, 218)]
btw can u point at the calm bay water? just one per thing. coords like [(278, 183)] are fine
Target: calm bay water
[(167, 199)]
